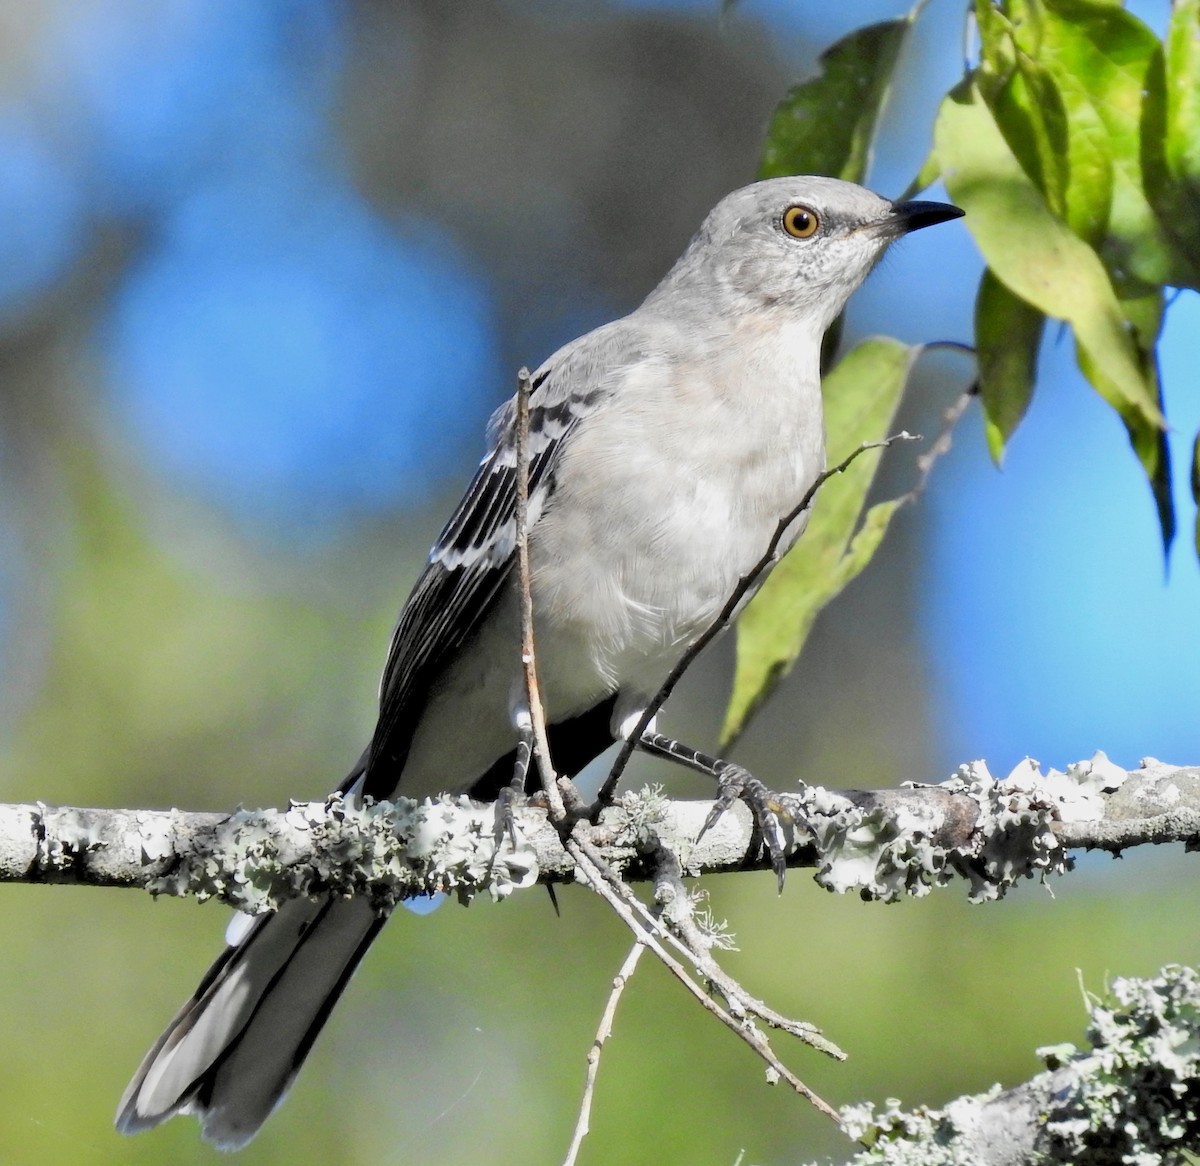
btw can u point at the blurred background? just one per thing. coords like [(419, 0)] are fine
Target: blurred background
[(265, 269)]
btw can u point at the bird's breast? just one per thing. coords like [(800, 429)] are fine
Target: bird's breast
[(665, 500)]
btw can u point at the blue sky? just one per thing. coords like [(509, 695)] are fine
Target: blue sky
[(1053, 626)]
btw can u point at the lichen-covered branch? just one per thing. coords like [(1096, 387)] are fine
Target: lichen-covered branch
[(881, 844), (257, 859), (1133, 1097)]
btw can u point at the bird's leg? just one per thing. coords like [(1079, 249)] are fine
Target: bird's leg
[(513, 794), (775, 821)]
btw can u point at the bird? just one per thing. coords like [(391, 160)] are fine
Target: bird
[(664, 449)]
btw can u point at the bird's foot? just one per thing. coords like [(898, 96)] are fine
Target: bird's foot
[(774, 818), (508, 800)]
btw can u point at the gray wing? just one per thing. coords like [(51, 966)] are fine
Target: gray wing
[(476, 551)]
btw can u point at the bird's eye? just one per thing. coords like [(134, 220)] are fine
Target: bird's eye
[(800, 222)]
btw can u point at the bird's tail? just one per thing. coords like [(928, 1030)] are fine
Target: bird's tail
[(235, 1047)]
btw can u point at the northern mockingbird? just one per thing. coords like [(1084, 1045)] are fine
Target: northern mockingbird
[(665, 448)]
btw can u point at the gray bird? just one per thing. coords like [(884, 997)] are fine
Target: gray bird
[(665, 448)]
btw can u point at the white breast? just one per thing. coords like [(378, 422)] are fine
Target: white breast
[(665, 500)]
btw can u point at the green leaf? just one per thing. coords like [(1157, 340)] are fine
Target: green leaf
[(1088, 149), (997, 47), (1183, 93), (861, 397), (1041, 260), (825, 126), (1099, 55), (1088, 59), (1145, 312), (1029, 111), (1008, 333), (1171, 141), (1037, 256), (1195, 480), (1022, 95)]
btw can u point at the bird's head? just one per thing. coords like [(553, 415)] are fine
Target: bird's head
[(803, 245)]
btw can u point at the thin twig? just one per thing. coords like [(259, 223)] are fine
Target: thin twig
[(678, 912), (680, 932), (649, 919), (745, 1029), (747, 583), (942, 443), (603, 1032), (533, 694)]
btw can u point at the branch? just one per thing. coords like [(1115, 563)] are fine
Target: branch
[(1134, 1096), (881, 844)]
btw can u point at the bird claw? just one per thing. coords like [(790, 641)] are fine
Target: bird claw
[(507, 800), (774, 820)]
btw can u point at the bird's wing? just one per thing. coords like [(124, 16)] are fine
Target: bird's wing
[(476, 550)]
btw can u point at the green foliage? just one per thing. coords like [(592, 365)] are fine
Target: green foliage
[(1171, 141), (811, 133), (1073, 144), (1008, 334), (825, 126), (1043, 144), (1037, 256)]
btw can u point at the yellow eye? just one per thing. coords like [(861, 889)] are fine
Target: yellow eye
[(800, 222)]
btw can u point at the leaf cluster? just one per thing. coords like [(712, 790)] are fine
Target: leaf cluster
[(1072, 142)]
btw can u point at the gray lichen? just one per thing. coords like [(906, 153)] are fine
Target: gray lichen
[(1135, 1096), (1132, 1099), (884, 844), (882, 853), (896, 1138), (389, 851), (886, 851), (74, 835)]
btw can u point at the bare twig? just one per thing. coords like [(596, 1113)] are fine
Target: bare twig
[(744, 1028), (678, 912), (747, 583), (603, 1032), (941, 444), (677, 928), (533, 694), (681, 932), (618, 885)]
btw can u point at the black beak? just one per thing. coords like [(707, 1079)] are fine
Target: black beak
[(912, 216)]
